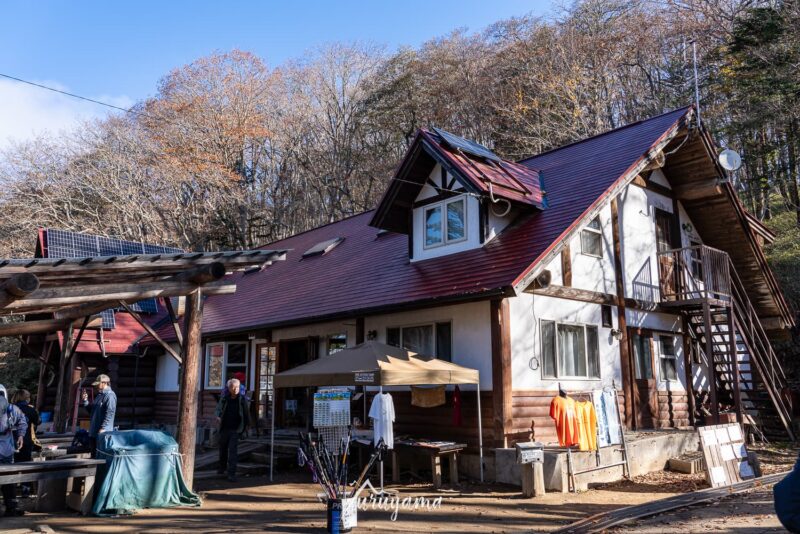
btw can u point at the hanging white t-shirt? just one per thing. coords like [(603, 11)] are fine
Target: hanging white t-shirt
[(382, 414)]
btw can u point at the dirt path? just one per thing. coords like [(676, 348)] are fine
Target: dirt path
[(289, 505), (750, 512)]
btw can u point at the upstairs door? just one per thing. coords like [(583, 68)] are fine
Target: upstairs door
[(665, 223), (645, 401)]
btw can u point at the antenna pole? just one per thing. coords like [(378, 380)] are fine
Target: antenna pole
[(696, 83)]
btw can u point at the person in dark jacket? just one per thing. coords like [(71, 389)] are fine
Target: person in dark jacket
[(232, 417), (103, 410), (787, 499), (22, 399), (13, 425)]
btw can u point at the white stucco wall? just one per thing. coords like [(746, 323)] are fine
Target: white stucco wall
[(472, 339), (322, 330), (526, 350), (167, 371)]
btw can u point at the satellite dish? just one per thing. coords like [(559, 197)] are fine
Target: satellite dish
[(730, 160)]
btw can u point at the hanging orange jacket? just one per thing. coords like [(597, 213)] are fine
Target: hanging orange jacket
[(565, 415)]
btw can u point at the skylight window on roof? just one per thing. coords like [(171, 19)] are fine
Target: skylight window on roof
[(323, 248)]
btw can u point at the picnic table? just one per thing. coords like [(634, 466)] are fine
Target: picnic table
[(81, 471), (433, 450)]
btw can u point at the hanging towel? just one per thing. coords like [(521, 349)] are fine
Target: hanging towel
[(588, 417), (458, 419), (427, 397)]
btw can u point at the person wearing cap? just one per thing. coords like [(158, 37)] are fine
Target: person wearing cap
[(13, 425), (103, 410)]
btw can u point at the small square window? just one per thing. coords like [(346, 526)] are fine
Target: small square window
[(606, 312), (592, 239)]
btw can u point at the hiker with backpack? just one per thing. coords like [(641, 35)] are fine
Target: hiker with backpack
[(13, 426), (232, 416)]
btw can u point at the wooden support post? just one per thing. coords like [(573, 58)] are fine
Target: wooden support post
[(712, 369), (624, 353), (737, 394), (61, 407), (688, 369), (533, 480), (501, 370), (187, 410), (566, 265)]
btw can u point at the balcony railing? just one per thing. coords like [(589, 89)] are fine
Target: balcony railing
[(693, 274)]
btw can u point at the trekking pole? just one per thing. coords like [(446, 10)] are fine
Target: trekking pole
[(370, 463), (343, 470)]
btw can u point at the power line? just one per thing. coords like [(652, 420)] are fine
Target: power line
[(73, 95)]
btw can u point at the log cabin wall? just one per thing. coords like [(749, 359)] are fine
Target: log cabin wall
[(133, 384)]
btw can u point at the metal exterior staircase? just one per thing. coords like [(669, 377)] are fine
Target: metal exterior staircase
[(722, 321)]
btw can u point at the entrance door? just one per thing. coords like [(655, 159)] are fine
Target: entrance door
[(665, 222), (645, 401), (293, 403), (266, 367)]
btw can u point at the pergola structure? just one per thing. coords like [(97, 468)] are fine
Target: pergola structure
[(59, 295)]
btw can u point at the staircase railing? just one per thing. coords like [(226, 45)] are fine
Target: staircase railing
[(762, 356), (694, 273)]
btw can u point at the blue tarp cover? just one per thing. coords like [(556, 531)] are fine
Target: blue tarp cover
[(142, 470)]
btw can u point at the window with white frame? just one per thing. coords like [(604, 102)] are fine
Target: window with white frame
[(223, 361), (668, 358), (429, 339), (445, 222), (592, 238), (570, 350)]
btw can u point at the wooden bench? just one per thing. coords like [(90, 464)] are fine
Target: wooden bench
[(82, 471)]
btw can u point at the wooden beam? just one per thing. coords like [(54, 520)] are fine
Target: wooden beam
[(17, 287), (220, 287), (204, 273), (688, 368), (166, 346), (45, 326), (71, 295), (652, 186), (566, 265), (698, 190), (573, 293), (85, 323), (501, 371), (190, 387), (174, 319), (626, 363)]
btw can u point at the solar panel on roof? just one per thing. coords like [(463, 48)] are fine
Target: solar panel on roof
[(465, 145), (65, 244)]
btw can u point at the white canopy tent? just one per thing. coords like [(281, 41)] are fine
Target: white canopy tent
[(376, 364)]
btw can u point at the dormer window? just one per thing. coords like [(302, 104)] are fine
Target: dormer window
[(450, 228)]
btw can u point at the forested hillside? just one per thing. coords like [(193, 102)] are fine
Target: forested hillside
[(233, 153)]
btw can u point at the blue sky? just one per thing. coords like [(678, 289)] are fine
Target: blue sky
[(117, 52)]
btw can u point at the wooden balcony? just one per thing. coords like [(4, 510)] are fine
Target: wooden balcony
[(690, 276)]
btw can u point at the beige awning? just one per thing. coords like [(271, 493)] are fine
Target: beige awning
[(375, 364)]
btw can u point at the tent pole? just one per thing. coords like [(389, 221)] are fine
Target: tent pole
[(480, 428), (272, 435), (381, 392)]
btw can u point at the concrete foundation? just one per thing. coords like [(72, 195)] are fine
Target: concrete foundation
[(648, 451)]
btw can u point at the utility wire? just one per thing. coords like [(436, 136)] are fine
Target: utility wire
[(73, 95)]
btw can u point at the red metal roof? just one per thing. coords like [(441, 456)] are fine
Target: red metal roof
[(505, 179), (367, 273), (121, 338)]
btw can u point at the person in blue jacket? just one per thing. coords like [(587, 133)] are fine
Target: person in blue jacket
[(787, 499), (13, 425), (103, 410)]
